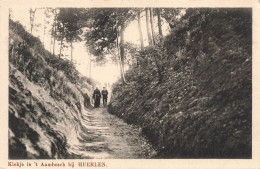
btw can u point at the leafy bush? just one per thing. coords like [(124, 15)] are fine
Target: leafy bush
[(30, 47), (202, 106), (27, 54), (65, 66)]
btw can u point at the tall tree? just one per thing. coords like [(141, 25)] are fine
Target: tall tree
[(60, 29), (122, 51), (54, 37), (32, 18), (124, 16), (152, 26), (54, 30), (70, 30), (140, 30), (61, 46), (170, 15), (159, 23), (107, 26), (45, 22), (44, 29), (148, 26)]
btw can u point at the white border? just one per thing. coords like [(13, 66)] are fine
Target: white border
[(253, 163)]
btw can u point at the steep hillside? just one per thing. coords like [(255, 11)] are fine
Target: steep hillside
[(192, 96), (45, 100)]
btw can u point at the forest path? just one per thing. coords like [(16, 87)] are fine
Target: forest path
[(107, 136)]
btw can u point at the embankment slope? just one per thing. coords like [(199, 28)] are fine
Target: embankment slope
[(192, 96), (45, 101)]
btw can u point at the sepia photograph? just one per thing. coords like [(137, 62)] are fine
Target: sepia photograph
[(101, 83), (82, 85)]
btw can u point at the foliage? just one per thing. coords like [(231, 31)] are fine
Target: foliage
[(130, 53), (26, 49), (67, 25), (103, 30), (43, 94), (171, 15), (202, 106)]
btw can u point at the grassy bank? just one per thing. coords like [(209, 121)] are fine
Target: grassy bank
[(45, 100), (192, 95)]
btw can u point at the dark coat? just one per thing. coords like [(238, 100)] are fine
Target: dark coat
[(104, 93), (96, 97), (96, 94)]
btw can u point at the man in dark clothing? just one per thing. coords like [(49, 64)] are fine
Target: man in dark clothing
[(96, 97), (104, 95)]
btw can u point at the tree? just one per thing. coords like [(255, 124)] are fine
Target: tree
[(46, 21), (140, 30), (152, 26), (170, 15), (148, 27), (69, 28), (159, 23), (54, 31), (107, 25), (104, 28), (103, 31), (32, 18), (124, 17), (60, 36), (54, 35), (122, 51)]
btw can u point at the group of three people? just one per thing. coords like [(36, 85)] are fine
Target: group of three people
[(97, 96)]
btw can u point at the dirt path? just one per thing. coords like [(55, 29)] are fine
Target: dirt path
[(107, 136)]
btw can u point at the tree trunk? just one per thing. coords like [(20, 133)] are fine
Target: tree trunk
[(44, 27), (53, 49), (122, 53), (152, 26), (54, 36), (122, 49), (51, 38), (32, 17), (140, 31), (159, 23), (160, 70), (61, 44), (54, 39), (148, 27), (71, 51)]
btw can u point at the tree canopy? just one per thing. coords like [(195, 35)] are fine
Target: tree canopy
[(105, 27)]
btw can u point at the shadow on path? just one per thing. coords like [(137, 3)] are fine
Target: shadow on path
[(106, 136)]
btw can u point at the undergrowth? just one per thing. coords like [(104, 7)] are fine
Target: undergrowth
[(192, 95)]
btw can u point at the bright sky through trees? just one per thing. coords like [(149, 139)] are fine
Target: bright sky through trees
[(104, 73)]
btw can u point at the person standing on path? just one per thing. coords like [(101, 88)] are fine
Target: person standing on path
[(104, 96), (96, 97)]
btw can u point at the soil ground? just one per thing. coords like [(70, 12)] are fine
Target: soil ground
[(110, 137)]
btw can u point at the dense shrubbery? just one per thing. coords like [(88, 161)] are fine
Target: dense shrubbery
[(28, 54), (192, 96), (45, 100), (32, 49), (66, 66)]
